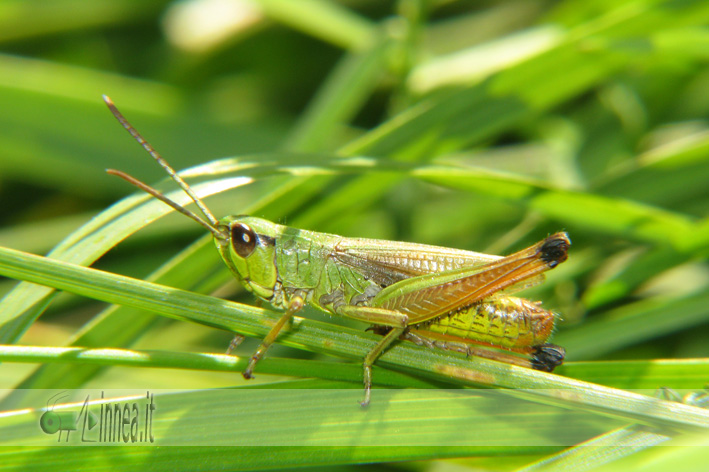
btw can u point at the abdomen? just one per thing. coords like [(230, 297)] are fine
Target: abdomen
[(507, 322)]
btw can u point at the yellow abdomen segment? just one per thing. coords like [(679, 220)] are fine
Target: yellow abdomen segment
[(508, 322)]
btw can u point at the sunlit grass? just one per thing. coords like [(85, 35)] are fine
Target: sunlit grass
[(423, 126)]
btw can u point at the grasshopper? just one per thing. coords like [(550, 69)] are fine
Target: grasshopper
[(402, 289)]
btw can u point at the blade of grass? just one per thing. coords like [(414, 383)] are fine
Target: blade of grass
[(327, 21), (348, 343), (76, 356), (646, 319)]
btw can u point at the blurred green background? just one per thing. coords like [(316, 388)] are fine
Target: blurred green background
[(496, 123)]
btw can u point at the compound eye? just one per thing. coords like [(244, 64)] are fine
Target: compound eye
[(243, 239)]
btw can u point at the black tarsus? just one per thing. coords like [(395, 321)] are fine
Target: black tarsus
[(547, 357), (554, 250)]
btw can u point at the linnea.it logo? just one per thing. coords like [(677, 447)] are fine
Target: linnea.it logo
[(101, 420)]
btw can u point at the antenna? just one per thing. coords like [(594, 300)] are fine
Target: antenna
[(148, 189), (211, 223)]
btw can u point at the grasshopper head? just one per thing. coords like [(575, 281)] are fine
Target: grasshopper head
[(246, 244), (249, 251)]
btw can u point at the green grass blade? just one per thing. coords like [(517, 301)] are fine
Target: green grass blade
[(252, 321)]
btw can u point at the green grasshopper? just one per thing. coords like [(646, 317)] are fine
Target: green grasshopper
[(402, 289)]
